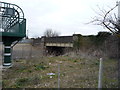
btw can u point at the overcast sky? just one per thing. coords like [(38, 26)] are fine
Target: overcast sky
[(64, 16)]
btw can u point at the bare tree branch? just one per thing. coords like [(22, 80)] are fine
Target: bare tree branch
[(105, 19)]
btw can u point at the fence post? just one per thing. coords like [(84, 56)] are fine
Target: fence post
[(58, 76), (100, 74)]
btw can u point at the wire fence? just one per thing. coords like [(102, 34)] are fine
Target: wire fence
[(77, 74)]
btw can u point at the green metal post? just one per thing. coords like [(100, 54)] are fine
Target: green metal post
[(7, 55)]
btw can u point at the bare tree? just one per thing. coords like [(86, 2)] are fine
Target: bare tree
[(109, 20), (51, 33)]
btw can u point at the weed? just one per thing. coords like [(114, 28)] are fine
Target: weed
[(21, 69), (35, 80), (97, 63), (40, 67), (75, 61), (71, 66), (21, 82), (4, 82), (29, 71)]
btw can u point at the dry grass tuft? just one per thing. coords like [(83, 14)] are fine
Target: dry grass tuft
[(75, 72)]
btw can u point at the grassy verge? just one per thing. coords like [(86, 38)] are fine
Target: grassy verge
[(74, 73)]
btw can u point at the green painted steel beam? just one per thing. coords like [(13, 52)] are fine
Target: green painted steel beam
[(12, 28), (7, 55)]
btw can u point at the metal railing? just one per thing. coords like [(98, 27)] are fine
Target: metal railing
[(10, 14)]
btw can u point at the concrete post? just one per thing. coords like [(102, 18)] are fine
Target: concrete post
[(100, 74)]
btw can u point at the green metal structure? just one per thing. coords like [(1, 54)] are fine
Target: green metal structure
[(12, 28)]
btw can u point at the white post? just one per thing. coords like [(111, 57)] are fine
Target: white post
[(58, 76), (100, 74)]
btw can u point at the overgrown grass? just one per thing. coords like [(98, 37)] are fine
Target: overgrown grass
[(75, 72)]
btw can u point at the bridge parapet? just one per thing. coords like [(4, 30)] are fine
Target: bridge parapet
[(59, 44), (59, 41)]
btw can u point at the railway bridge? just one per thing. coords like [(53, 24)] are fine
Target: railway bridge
[(57, 45)]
